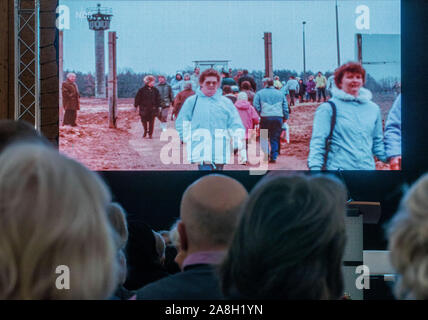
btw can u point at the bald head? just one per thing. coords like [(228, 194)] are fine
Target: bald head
[(210, 210)]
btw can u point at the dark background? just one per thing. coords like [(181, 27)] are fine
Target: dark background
[(155, 196)]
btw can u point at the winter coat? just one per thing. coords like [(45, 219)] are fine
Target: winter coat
[(250, 80), (148, 101), (231, 97), (248, 115), (292, 84), (321, 81), (278, 84), (208, 125), (330, 83), (302, 89), (165, 92), (70, 96), (393, 130), (357, 135), (179, 100), (270, 102), (176, 86), (310, 86)]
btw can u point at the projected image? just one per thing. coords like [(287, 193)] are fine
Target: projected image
[(231, 85)]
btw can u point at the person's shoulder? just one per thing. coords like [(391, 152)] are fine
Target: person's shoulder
[(226, 101), (327, 107), (140, 90), (188, 100)]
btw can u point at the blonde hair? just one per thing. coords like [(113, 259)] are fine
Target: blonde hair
[(53, 213), (408, 242)]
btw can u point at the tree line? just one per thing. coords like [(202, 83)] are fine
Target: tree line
[(128, 82)]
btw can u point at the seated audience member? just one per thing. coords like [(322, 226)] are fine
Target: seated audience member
[(174, 256), (408, 243), (117, 218), (144, 262), (54, 231), (165, 236), (209, 211), (160, 246), (13, 131), (170, 265), (290, 241)]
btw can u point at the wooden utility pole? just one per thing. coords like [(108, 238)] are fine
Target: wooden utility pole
[(268, 55), (304, 52), (61, 72), (359, 48), (337, 36), (112, 79)]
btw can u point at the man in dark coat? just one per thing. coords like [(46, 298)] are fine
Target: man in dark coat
[(246, 77), (167, 98), (209, 212), (148, 101), (70, 100), (181, 97)]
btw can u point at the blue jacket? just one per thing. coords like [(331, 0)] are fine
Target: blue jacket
[(357, 135), (292, 84), (208, 127), (270, 102), (176, 86), (393, 130)]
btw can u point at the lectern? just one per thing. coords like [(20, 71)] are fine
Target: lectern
[(358, 213)]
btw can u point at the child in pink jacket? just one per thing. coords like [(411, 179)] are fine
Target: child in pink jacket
[(248, 116)]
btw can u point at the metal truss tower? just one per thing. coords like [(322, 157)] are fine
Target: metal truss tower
[(27, 61)]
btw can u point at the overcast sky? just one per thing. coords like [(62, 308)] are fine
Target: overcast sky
[(166, 36)]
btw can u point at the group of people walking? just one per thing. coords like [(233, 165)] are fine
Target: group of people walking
[(347, 131)]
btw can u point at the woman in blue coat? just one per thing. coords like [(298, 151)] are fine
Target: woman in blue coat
[(357, 135)]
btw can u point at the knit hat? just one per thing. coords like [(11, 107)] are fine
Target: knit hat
[(242, 96), (235, 89)]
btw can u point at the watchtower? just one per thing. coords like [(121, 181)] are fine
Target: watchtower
[(99, 21)]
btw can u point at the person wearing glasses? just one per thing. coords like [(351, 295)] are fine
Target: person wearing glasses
[(208, 122)]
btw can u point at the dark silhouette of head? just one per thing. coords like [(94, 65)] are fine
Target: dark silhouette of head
[(290, 241)]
